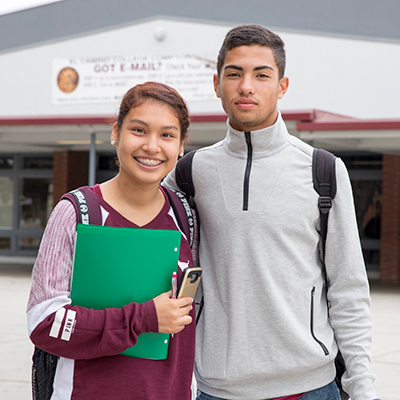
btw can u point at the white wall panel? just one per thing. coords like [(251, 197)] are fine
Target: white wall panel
[(352, 77)]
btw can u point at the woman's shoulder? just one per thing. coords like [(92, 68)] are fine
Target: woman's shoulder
[(63, 210)]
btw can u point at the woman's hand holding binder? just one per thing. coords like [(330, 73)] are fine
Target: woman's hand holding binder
[(172, 314)]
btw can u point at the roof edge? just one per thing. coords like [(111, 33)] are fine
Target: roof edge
[(308, 120), (354, 125), (302, 115)]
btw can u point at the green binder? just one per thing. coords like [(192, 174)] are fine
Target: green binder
[(116, 266)]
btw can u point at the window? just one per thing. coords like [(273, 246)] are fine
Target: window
[(5, 243), (26, 190), (37, 162), (6, 162), (365, 170), (35, 203), (6, 202)]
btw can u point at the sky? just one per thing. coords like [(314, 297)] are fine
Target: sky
[(10, 6)]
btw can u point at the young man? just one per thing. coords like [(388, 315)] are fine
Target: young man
[(269, 328)]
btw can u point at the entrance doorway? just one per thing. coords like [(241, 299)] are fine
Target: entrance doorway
[(365, 170), (26, 190)]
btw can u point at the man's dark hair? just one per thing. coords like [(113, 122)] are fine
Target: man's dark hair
[(248, 35)]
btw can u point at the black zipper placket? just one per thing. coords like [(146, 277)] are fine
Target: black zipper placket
[(247, 171), (325, 350)]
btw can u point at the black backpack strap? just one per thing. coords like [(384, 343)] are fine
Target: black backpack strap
[(44, 364), (324, 179), (187, 222), (184, 180), (183, 176), (183, 213), (86, 204)]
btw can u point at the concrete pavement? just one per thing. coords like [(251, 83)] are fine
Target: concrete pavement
[(385, 308), (16, 349)]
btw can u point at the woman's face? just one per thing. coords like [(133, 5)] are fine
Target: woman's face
[(148, 143)]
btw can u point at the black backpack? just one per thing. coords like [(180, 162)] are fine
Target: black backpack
[(88, 211), (324, 181)]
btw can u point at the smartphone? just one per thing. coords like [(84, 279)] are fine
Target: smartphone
[(189, 282)]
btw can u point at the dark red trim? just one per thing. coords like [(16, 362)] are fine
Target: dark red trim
[(306, 115), (208, 118), (90, 120), (107, 119), (302, 115), (58, 120), (305, 118), (356, 125)]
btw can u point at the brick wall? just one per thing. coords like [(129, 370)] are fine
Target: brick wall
[(70, 170), (390, 220)]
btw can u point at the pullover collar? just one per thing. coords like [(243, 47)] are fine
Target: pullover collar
[(264, 141)]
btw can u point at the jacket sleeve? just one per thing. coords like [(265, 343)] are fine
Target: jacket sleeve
[(72, 331), (170, 180), (348, 293)]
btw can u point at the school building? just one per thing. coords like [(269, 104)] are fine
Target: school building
[(64, 67)]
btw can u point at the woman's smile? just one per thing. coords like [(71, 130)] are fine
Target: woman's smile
[(148, 162)]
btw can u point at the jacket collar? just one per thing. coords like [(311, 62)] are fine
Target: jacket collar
[(264, 140)]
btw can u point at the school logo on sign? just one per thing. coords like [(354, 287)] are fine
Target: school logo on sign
[(67, 80)]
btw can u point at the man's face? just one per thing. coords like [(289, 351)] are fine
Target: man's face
[(249, 87)]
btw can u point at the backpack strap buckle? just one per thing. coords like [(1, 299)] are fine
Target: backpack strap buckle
[(325, 204)]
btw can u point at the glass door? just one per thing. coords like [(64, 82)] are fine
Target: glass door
[(35, 205), (6, 212), (365, 170), (26, 189)]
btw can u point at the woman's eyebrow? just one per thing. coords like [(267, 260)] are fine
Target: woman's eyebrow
[(137, 120)]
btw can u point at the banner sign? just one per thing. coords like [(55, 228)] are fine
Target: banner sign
[(106, 79)]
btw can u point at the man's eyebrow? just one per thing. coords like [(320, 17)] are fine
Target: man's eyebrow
[(238, 68), (233, 66), (263, 67)]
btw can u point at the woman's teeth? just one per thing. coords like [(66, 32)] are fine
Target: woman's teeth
[(148, 162)]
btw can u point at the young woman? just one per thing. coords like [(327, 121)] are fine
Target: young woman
[(148, 135)]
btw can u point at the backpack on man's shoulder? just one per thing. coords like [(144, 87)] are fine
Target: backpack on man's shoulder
[(324, 181), (323, 174)]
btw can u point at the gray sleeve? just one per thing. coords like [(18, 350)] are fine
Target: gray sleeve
[(170, 180)]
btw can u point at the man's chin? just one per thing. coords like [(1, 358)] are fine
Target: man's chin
[(243, 125)]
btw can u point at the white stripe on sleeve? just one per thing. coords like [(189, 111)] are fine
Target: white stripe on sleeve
[(58, 319)]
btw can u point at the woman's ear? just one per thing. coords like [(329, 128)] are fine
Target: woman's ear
[(114, 135), (181, 148)]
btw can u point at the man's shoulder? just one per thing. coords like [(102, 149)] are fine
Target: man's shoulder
[(207, 149), (301, 146), (206, 155)]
